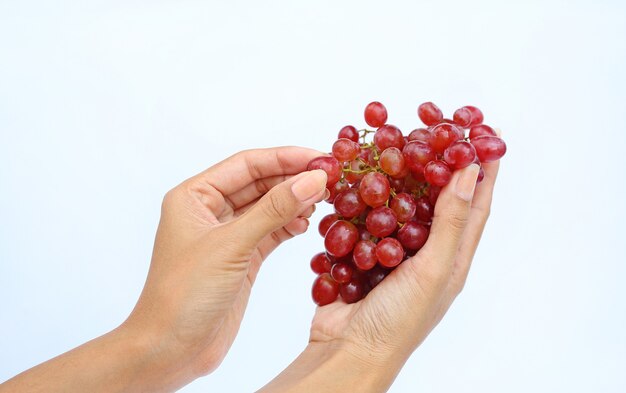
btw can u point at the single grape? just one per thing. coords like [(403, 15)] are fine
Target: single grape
[(374, 189), (416, 155), (443, 135), (388, 136), (375, 114), (419, 134), (404, 206), (489, 148), (460, 154), (326, 222), (433, 194), (330, 165), (462, 117), (349, 203), (429, 113), (481, 130), (413, 235), (381, 221), (341, 272), (392, 161), (320, 263), (376, 275), (364, 255), (340, 238), (424, 210), (481, 175), (352, 291), (477, 115), (325, 290), (389, 252), (437, 173), (336, 189), (349, 132), (345, 150)]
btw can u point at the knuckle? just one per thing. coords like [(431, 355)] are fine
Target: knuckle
[(457, 221)]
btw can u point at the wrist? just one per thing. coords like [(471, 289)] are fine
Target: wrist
[(336, 366)]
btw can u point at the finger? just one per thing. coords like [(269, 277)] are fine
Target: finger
[(280, 206), (436, 259), (254, 190), (479, 212), (241, 169)]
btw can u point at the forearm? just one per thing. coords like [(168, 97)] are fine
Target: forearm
[(325, 367), (117, 361)]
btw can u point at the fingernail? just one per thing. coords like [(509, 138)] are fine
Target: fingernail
[(466, 183), (309, 185)]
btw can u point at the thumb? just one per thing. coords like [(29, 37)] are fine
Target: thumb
[(281, 205)]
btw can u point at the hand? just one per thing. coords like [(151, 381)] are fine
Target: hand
[(215, 231), (362, 346)]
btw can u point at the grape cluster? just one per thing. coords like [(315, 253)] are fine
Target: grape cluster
[(384, 192)]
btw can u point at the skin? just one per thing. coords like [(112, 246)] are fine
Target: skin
[(216, 230)]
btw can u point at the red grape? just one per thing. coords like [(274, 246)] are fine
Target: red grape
[(320, 263), (352, 292), (375, 114), (345, 150), (489, 148), (341, 272), (413, 235), (417, 155), (404, 206), (340, 238), (420, 134), (437, 173), (388, 136), (481, 130), (349, 203), (424, 209), (477, 115), (443, 135), (429, 113), (381, 221), (374, 189), (349, 132), (326, 222), (462, 117), (330, 165), (336, 189), (364, 255), (392, 161), (389, 252), (325, 290), (376, 275), (460, 154)]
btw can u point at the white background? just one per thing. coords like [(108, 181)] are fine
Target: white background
[(105, 105)]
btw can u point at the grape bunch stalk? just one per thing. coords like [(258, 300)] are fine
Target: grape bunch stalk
[(384, 193)]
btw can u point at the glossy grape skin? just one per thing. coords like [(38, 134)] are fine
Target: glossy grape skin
[(419, 134), (429, 113), (433, 194), (326, 222), (462, 117), (424, 209), (388, 136), (460, 154), (340, 238), (397, 184), (381, 221), (477, 115), (320, 263), (352, 291), (336, 189), (364, 255), (375, 114), (481, 130), (413, 235), (341, 272), (389, 252), (481, 175), (416, 155), (392, 161), (345, 150), (330, 165), (443, 135), (349, 204), (489, 148), (374, 189), (325, 290), (403, 205), (349, 132), (437, 173)]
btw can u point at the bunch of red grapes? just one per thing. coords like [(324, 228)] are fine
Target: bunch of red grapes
[(384, 193)]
